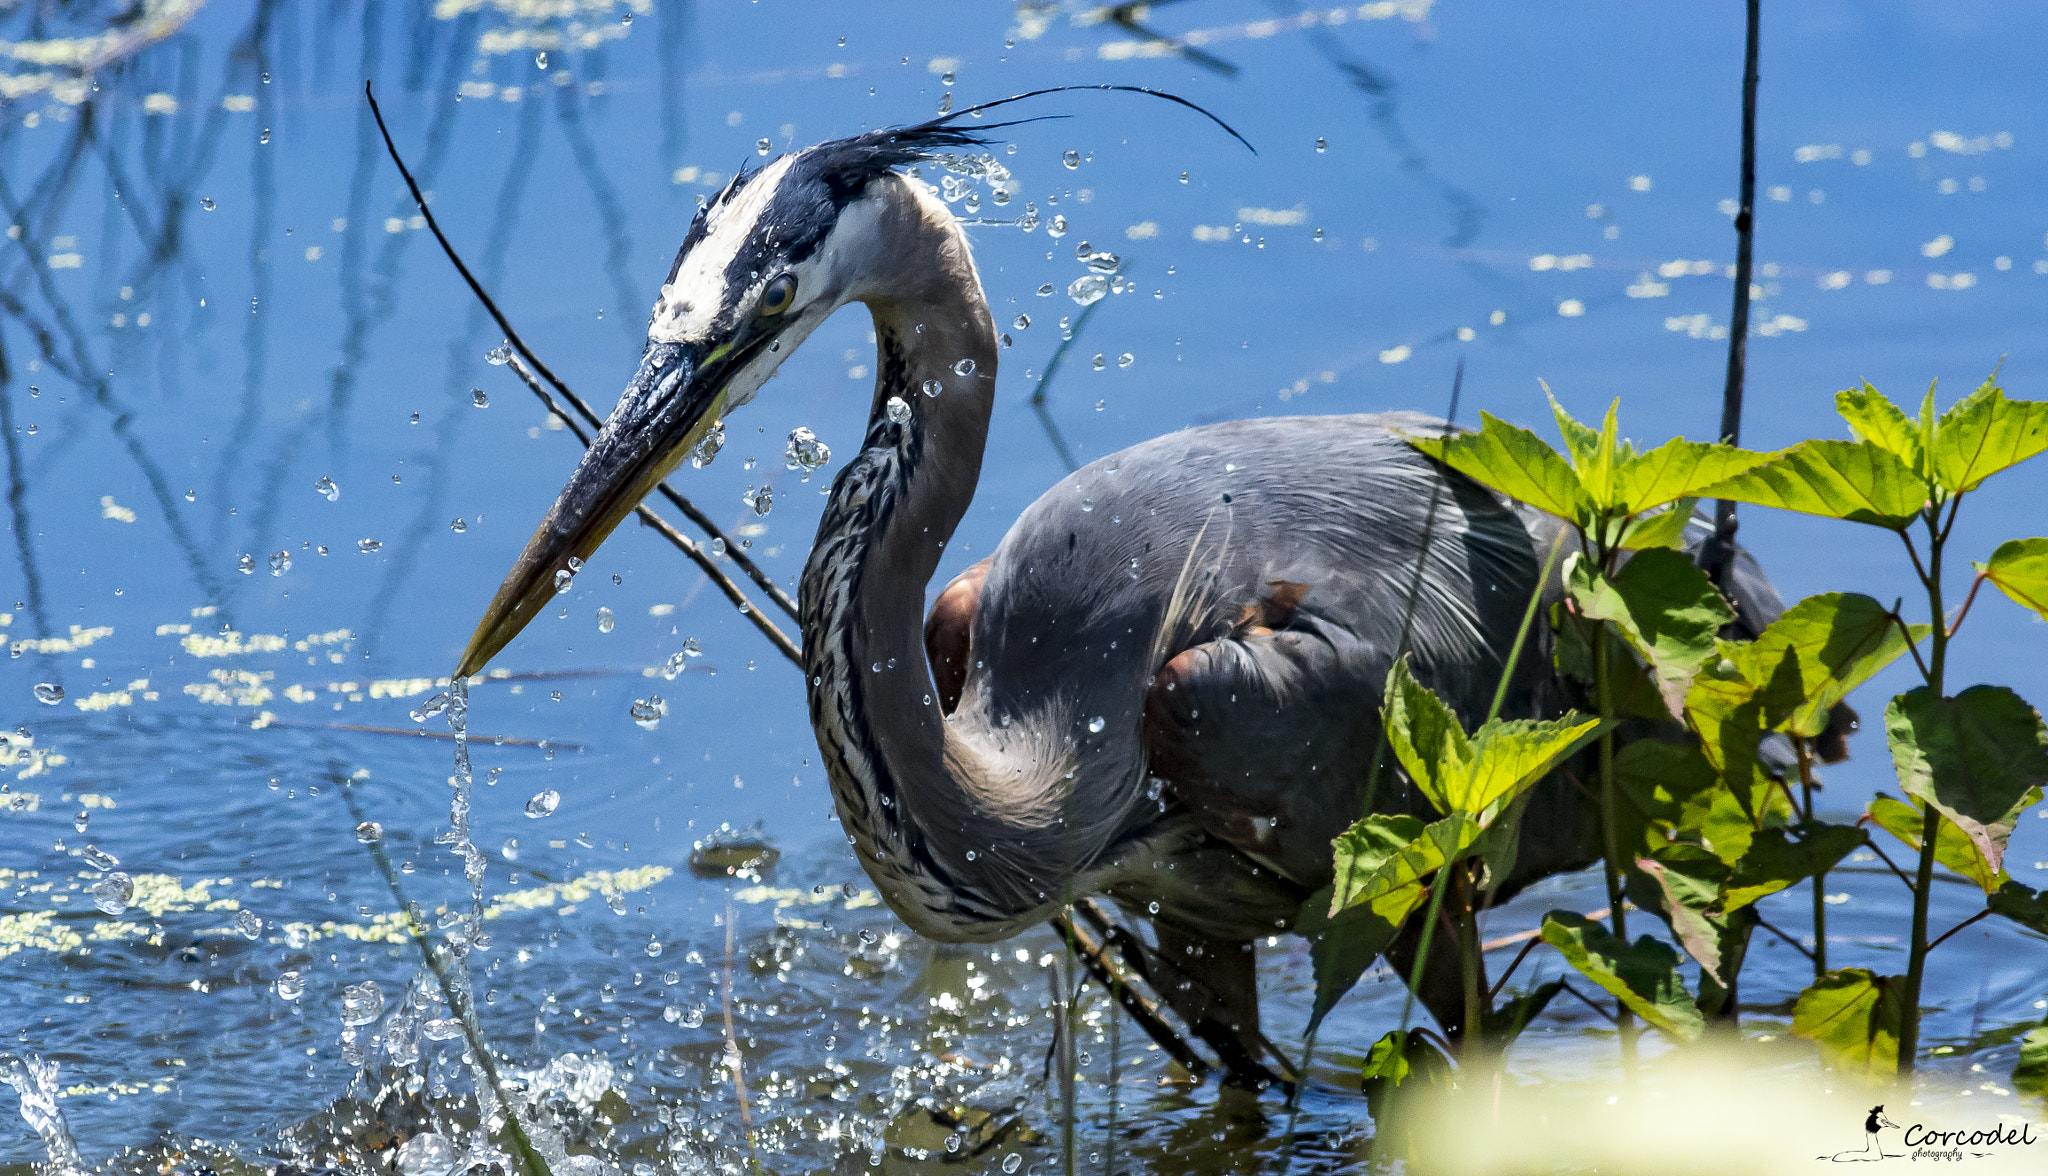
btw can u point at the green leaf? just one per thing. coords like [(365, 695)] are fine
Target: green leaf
[(1664, 528), (1663, 606), (1340, 948), (1776, 859), (1984, 433), (1515, 462), (1670, 792), (1679, 469), (2022, 904), (1364, 848), (1854, 1016), (1980, 757), (1951, 847), (1512, 754), (1393, 887), (1854, 480), (2030, 1076), (1813, 655), (1688, 881), (1581, 442), (2019, 568), (1504, 1024), (1425, 735), (1397, 1067), (1643, 976), (1874, 418)]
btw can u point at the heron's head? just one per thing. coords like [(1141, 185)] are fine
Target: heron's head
[(764, 262)]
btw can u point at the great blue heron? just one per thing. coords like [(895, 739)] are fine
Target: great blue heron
[(1161, 687)]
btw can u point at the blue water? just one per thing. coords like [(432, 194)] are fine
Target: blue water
[(1507, 185)]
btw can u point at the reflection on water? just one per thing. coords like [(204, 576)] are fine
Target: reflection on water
[(259, 466)]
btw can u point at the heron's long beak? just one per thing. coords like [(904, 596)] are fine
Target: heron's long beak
[(671, 403)]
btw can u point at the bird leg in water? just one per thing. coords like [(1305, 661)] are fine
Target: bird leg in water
[(1214, 987)]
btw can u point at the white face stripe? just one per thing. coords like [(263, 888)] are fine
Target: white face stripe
[(690, 305)]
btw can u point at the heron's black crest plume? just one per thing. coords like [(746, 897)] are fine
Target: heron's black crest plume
[(824, 179)]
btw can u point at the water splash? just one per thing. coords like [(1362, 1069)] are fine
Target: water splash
[(35, 1080)]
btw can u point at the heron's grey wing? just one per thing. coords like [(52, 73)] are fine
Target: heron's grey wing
[(1266, 734)]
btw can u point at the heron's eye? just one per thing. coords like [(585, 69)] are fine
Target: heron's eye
[(778, 296)]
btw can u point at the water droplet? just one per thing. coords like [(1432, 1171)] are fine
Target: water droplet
[(366, 546), (647, 712), (361, 1004), (297, 937), (563, 578), (946, 79), (112, 893), (716, 547), (248, 924), (1153, 907), (441, 1029), (897, 410), (1058, 227), (653, 948), (265, 136), (1071, 158), (1088, 289), (49, 693), (946, 103), (245, 564), (1096, 724), (280, 562), (540, 59), (1126, 359), (707, 450), (80, 819), (617, 902), (434, 705), (328, 489), (478, 398), (964, 368), (1046, 290), (761, 147), (1021, 321), (458, 526), (604, 620), (500, 355), (289, 986), (693, 1019), (1012, 1162), (804, 452), (1098, 363), (97, 858), (510, 850), (369, 831), (206, 203), (543, 804), (266, 78), (1321, 146), (759, 501), (415, 418)]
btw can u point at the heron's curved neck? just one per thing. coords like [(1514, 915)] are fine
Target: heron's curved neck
[(909, 796)]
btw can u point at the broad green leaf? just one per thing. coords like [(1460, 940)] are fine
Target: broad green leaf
[(1854, 1016), (1504, 1024), (1512, 754), (1365, 847), (1952, 848), (1425, 735), (1984, 433), (1664, 528), (1679, 469), (1813, 655), (1663, 606), (1629, 682), (1874, 418), (1643, 975), (2022, 904), (2030, 1076), (1776, 860), (1396, 1067), (1854, 480), (1688, 881), (1670, 792), (1515, 462), (1393, 888), (1340, 948), (1980, 757), (2019, 568), (1581, 442)]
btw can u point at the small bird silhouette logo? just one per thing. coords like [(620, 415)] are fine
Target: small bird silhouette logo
[(1872, 1149)]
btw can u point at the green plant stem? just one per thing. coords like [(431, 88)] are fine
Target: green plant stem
[(1474, 1048), (1930, 832), (1820, 905), (1624, 1021)]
